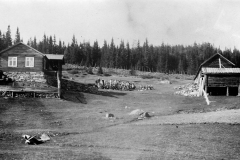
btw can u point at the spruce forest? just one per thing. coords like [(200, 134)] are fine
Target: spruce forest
[(163, 58)]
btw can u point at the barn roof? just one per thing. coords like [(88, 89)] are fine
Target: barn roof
[(217, 55), (54, 56), (209, 60), (19, 44), (220, 70)]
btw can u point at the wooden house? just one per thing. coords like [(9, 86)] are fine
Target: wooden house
[(25, 64), (218, 76), (23, 58)]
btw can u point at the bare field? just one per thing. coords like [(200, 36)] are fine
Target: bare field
[(79, 129)]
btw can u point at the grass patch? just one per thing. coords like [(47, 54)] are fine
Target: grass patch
[(73, 71), (64, 76), (132, 72), (100, 70), (147, 77), (90, 70), (107, 74)]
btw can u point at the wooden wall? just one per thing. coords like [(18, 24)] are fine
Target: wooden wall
[(222, 81), (21, 51)]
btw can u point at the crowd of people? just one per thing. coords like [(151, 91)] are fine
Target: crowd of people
[(115, 84)]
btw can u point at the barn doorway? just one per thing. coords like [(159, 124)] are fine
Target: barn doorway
[(217, 91), (222, 91), (233, 91)]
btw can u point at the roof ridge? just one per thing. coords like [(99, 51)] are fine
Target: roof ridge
[(210, 59), (23, 44)]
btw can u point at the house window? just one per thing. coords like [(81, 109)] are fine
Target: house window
[(29, 62), (12, 61)]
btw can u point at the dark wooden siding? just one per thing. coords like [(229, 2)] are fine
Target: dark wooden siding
[(21, 51), (223, 81)]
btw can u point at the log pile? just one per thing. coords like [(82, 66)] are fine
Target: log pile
[(145, 87), (120, 85), (190, 90), (115, 85)]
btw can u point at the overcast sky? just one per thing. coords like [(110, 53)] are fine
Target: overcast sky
[(169, 21)]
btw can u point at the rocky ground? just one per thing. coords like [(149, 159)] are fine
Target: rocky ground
[(80, 125)]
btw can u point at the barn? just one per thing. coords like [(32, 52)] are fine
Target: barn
[(29, 68), (218, 76)]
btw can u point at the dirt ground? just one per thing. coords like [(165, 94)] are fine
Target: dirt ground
[(180, 127)]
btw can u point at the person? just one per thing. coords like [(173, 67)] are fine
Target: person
[(4, 78), (1, 74)]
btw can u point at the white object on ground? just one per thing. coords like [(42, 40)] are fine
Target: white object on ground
[(136, 112), (44, 137), (32, 140)]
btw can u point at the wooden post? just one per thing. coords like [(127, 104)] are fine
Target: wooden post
[(239, 90), (203, 84), (206, 84), (200, 86), (59, 78), (239, 87), (227, 91), (44, 64), (220, 65)]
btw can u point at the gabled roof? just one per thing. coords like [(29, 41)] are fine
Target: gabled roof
[(215, 55), (22, 44), (54, 56), (211, 58)]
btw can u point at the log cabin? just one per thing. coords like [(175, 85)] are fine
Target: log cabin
[(218, 76), (28, 67)]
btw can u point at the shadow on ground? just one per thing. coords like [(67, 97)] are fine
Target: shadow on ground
[(110, 93), (76, 97)]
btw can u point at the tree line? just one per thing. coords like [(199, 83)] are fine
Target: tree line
[(145, 57)]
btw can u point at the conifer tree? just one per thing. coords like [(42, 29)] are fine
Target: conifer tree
[(8, 37), (96, 54), (17, 37), (128, 52), (34, 43), (1, 41), (50, 45)]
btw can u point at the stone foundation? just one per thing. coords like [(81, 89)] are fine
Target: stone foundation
[(46, 80), (31, 79), (26, 76)]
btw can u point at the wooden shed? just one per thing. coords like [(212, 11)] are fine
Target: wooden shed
[(218, 76)]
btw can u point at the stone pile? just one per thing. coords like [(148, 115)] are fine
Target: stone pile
[(190, 90)]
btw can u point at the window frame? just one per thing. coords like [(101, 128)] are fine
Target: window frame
[(31, 62), (11, 61)]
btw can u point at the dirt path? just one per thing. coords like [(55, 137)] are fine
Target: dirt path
[(223, 116)]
